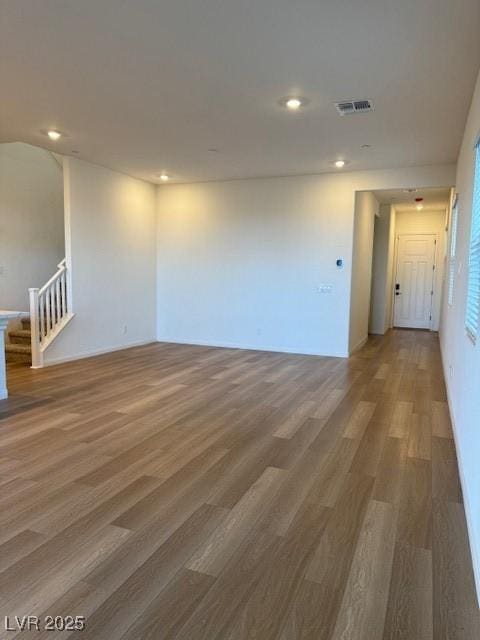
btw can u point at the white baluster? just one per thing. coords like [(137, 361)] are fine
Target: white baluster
[(42, 316), (52, 306), (34, 328), (65, 296), (48, 318), (62, 295), (58, 314)]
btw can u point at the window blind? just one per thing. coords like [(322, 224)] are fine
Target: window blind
[(453, 249), (472, 315)]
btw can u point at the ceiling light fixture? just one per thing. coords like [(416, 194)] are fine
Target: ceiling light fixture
[(164, 177), (293, 103), (340, 163), (54, 135), (419, 207)]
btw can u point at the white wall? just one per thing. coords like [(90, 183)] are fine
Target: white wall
[(382, 271), (110, 220), (428, 222), (240, 262), (366, 209), (461, 357), (31, 221)]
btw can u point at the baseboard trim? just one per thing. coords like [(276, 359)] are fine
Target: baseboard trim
[(97, 352), (466, 502), (358, 346), (248, 347)]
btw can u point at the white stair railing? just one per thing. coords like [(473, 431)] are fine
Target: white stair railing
[(49, 312)]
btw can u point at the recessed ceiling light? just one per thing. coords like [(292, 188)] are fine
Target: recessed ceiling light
[(339, 163), (419, 207), (54, 135), (164, 177), (293, 103)]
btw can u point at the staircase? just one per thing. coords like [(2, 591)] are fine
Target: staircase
[(19, 347), (50, 312)]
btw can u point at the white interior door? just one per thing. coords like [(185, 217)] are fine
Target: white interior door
[(414, 281)]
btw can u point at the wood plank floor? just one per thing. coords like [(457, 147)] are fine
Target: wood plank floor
[(192, 493)]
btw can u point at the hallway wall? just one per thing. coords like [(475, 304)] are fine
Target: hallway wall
[(366, 211), (461, 358), (382, 271)]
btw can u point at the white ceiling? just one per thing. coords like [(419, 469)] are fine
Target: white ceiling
[(152, 85), (433, 199)]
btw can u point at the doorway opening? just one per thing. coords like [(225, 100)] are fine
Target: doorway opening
[(408, 261), (398, 260)]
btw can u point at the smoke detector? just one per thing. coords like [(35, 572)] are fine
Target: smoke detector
[(348, 107)]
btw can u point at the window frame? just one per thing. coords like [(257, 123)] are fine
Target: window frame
[(472, 306)]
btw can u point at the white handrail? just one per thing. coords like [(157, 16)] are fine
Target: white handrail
[(49, 312), (61, 266)]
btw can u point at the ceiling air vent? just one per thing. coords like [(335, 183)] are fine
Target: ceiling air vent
[(353, 106)]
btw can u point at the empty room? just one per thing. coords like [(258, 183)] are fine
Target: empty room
[(240, 319)]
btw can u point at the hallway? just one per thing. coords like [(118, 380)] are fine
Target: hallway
[(180, 492)]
